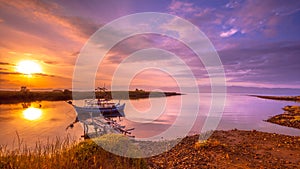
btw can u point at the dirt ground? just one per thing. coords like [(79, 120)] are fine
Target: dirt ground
[(232, 149)]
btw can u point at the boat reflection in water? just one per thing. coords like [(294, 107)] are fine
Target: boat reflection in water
[(32, 113)]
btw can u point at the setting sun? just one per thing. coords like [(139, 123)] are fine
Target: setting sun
[(32, 113), (28, 67)]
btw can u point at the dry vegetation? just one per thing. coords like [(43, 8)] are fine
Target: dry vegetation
[(224, 149), (65, 154)]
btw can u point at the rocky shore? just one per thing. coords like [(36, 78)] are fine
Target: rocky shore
[(232, 149), (290, 117), (287, 98)]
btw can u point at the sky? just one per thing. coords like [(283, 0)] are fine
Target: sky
[(258, 42)]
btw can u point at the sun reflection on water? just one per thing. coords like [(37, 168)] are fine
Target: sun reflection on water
[(32, 113)]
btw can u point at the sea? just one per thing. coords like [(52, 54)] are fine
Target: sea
[(151, 118)]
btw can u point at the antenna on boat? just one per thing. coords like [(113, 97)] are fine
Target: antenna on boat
[(101, 88), (104, 87)]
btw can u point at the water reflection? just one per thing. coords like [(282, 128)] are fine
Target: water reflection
[(50, 121), (241, 111), (37, 123), (32, 113)]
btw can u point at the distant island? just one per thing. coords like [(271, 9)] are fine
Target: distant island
[(287, 98), (24, 95)]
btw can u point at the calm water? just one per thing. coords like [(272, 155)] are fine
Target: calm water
[(149, 118), (240, 111), (45, 124)]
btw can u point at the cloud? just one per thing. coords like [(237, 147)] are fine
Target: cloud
[(267, 63), (50, 62), (132, 44), (10, 73), (35, 74), (190, 10), (79, 26), (261, 16), (50, 75), (51, 13), (46, 30), (179, 7), (232, 4), (6, 63), (208, 18), (204, 12), (75, 53), (228, 33), (248, 17), (289, 12), (53, 31)]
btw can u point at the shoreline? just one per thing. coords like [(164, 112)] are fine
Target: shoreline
[(290, 117), (284, 98), (13, 97)]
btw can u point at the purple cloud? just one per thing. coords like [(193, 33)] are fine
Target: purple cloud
[(228, 33)]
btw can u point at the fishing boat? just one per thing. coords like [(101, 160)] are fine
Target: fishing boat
[(97, 115), (99, 107), (97, 118)]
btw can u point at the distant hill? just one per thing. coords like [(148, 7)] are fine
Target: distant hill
[(253, 90), (257, 90)]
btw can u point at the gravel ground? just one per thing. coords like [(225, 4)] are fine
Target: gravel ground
[(232, 149)]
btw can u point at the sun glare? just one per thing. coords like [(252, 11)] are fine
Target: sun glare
[(29, 67), (32, 113)]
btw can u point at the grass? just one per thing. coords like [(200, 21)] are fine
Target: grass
[(91, 153), (65, 154)]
